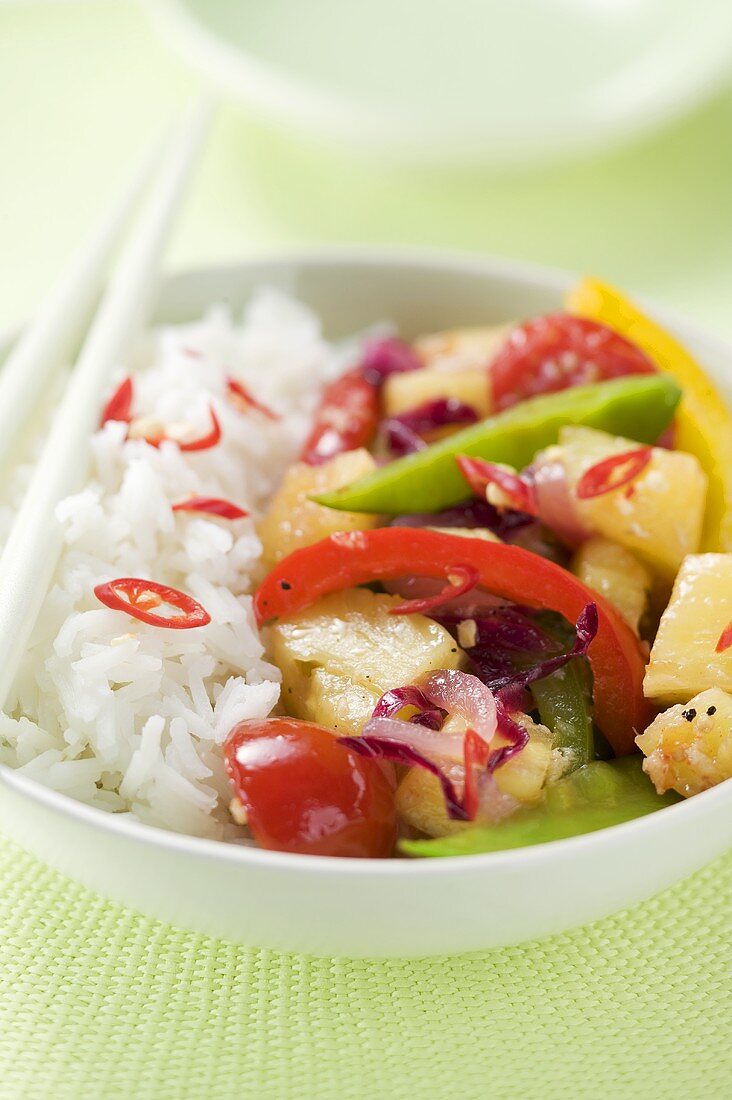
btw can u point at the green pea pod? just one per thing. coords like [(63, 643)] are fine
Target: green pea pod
[(593, 797), (639, 407)]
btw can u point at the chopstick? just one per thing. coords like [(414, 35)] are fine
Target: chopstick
[(34, 544), (58, 323)]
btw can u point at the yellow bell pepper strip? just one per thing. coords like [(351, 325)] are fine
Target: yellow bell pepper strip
[(703, 421), (594, 797)]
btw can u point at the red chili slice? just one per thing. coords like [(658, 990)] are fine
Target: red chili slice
[(613, 472), (137, 597), (552, 353), (479, 474), (475, 755), (214, 506), (725, 639), (204, 442), (119, 406), (245, 400), (460, 579)]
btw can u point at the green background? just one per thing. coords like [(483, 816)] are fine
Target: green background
[(96, 1001)]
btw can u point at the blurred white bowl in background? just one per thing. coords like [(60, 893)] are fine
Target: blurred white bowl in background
[(455, 81)]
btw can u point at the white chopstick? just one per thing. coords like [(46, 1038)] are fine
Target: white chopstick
[(57, 326), (34, 543)]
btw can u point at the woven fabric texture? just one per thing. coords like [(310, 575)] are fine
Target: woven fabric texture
[(98, 1002)]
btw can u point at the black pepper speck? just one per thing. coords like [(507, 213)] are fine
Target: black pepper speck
[(711, 711), (689, 714), (285, 586)]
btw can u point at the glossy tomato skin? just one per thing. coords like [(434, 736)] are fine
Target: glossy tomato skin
[(303, 792), (347, 418), (552, 353)]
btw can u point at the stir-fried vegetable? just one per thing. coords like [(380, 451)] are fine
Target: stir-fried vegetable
[(342, 561), (594, 797), (703, 423), (640, 408)]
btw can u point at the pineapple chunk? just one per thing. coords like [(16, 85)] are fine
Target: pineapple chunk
[(338, 702), (689, 747), (462, 348), (612, 571), (419, 799), (293, 520), (345, 651), (683, 659), (406, 391), (661, 519)]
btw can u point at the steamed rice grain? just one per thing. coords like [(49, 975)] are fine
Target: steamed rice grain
[(128, 717)]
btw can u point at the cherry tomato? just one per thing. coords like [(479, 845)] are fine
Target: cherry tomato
[(347, 418), (552, 353), (303, 792)]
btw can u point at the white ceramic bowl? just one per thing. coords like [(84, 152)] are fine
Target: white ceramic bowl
[(375, 908)]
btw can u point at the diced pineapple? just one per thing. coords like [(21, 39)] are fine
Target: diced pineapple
[(461, 348), (483, 533), (657, 516), (611, 570), (341, 654), (689, 747), (406, 391), (419, 799), (338, 702), (683, 659), (293, 520)]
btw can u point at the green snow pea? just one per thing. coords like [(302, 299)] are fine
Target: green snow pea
[(593, 797), (639, 407)]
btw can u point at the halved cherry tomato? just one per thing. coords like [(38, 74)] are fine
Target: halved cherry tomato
[(359, 557), (303, 792), (552, 353), (347, 418)]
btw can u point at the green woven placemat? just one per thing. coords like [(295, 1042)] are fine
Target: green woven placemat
[(99, 1002)]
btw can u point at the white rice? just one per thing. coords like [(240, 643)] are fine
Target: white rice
[(131, 718)]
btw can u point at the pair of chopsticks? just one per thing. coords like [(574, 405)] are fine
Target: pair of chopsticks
[(34, 543)]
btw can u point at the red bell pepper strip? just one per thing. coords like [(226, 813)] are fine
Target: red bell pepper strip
[(360, 557), (137, 597), (347, 418)]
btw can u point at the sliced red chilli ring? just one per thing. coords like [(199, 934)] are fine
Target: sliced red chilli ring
[(212, 506), (204, 442), (460, 579), (725, 639), (479, 474), (244, 399), (138, 597), (476, 754), (612, 473), (119, 405)]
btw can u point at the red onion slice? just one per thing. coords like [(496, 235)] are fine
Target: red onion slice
[(463, 694), (556, 505)]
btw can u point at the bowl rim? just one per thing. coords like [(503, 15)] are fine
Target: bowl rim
[(626, 106), (121, 825)]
